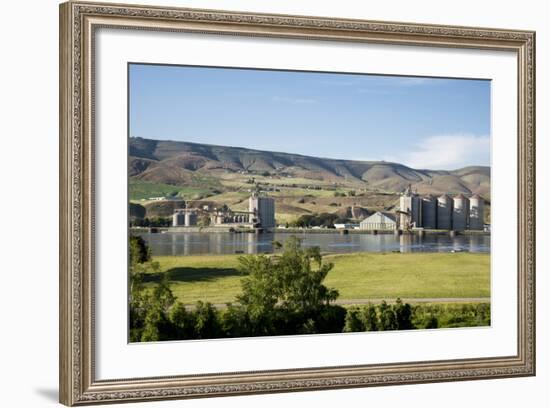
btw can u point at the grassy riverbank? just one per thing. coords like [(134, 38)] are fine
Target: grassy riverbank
[(358, 276)]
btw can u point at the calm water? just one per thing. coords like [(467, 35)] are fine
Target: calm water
[(196, 243)]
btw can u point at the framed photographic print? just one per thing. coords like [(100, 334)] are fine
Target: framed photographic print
[(258, 203)]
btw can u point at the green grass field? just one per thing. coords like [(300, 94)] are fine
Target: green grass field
[(356, 276)]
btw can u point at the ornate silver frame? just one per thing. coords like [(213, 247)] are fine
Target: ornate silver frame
[(78, 21)]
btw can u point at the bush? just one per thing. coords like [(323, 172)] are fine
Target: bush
[(331, 319), (370, 318), (403, 315), (139, 252), (183, 322), (207, 325), (451, 315), (235, 322), (316, 220), (136, 211), (354, 322), (387, 317), (381, 317)]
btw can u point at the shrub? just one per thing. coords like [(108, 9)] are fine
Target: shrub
[(387, 317), (370, 318), (139, 252), (183, 322), (235, 322), (403, 315), (354, 322), (207, 325), (331, 319)]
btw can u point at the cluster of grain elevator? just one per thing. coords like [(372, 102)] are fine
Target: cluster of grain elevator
[(457, 213), (260, 214)]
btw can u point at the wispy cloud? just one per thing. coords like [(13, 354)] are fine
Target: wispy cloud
[(446, 152), (293, 101)]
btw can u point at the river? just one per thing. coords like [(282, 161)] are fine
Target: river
[(197, 243)]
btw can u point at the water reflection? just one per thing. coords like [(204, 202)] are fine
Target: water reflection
[(195, 243)]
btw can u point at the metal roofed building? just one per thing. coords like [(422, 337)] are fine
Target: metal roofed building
[(379, 221)]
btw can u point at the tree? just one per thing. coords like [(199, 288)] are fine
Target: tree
[(287, 287), (148, 309), (387, 317), (204, 220), (207, 325), (137, 212), (234, 321), (139, 252), (370, 318), (354, 323), (183, 322), (403, 315)]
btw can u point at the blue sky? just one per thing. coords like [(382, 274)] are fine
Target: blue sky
[(421, 122)]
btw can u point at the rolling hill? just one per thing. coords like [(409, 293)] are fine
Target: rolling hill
[(223, 168)]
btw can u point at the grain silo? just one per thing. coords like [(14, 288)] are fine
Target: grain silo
[(444, 212), (178, 219), (461, 212), (429, 212), (410, 210), (190, 218), (476, 212), (264, 210)]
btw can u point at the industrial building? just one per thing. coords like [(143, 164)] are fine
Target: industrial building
[(379, 221), (260, 214), (458, 213), (263, 210), (184, 218)]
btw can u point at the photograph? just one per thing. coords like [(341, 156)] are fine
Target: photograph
[(268, 202)]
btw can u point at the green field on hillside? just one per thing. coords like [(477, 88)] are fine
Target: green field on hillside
[(358, 276), (142, 190)]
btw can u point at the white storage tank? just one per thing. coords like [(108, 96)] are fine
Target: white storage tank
[(476, 212), (178, 219), (461, 212)]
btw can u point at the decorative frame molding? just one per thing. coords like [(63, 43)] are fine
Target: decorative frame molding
[(78, 20)]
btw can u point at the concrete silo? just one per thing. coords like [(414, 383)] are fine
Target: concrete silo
[(429, 212), (264, 210), (444, 212), (410, 207), (190, 218), (461, 212), (178, 219), (476, 212)]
